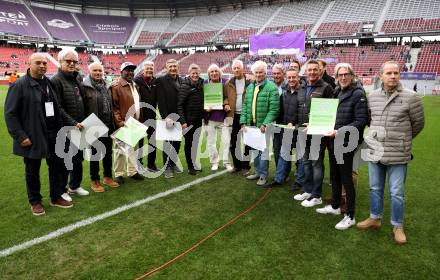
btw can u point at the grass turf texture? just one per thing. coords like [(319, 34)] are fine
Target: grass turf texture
[(278, 240)]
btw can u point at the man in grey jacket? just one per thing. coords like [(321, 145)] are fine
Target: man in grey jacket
[(396, 118)]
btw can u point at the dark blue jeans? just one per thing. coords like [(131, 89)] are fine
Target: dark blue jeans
[(314, 173)]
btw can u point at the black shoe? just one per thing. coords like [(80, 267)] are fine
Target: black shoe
[(296, 187), (152, 168), (192, 171), (119, 180), (273, 184), (137, 177)]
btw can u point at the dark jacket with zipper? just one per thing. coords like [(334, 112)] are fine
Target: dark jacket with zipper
[(167, 94), (320, 90), (71, 101), (352, 109), (190, 102), (289, 105), (147, 94), (25, 117), (91, 101)]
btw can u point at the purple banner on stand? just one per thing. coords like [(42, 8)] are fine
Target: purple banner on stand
[(277, 43), (418, 76), (107, 29), (16, 19), (61, 25)]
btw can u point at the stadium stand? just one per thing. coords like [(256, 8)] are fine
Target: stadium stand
[(152, 30), (161, 59), (14, 59), (412, 16), (221, 58), (429, 59)]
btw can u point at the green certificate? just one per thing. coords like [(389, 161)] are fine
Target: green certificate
[(131, 132), (322, 116), (213, 96)]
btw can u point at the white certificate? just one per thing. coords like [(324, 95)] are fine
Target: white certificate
[(168, 134), (93, 129), (253, 137)]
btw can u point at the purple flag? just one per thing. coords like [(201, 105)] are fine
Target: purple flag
[(16, 19), (107, 29), (277, 43), (61, 25)]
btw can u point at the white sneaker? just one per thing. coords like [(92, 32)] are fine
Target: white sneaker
[(345, 223), (261, 181), (328, 209), (302, 196), (228, 167), (214, 167), (253, 177), (310, 202), (66, 197), (79, 191)]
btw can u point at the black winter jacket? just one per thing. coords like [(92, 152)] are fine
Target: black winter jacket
[(289, 105), (25, 117), (352, 109), (321, 90), (147, 94), (167, 94), (71, 103), (190, 102)]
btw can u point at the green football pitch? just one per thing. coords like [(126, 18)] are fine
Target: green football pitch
[(278, 239)]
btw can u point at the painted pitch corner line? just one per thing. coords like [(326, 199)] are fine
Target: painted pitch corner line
[(69, 228)]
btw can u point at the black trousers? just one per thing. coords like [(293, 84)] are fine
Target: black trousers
[(32, 175), (76, 174), (342, 175), (167, 150), (107, 161), (192, 138), (151, 157), (239, 163)]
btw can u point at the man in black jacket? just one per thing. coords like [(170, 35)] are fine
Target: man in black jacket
[(167, 91), (288, 116), (147, 91), (190, 108), (313, 168), (324, 76), (33, 120), (70, 97)]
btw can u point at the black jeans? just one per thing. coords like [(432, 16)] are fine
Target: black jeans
[(32, 174), (277, 142), (167, 151), (151, 157), (342, 175), (239, 164), (107, 161), (192, 137), (76, 174)]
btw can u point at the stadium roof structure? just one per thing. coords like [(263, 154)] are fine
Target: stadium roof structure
[(157, 4)]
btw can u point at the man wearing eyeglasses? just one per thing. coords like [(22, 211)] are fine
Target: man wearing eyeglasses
[(70, 98)]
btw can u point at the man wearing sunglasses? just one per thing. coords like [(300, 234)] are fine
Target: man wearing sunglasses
[(70, 98)]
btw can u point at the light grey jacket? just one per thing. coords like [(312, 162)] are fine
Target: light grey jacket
[(395, 121)]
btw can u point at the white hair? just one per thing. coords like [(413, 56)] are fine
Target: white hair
[(62, 54), (279, 67), (344, 65), (214, 67), (149, 62), (239, 62), (95, 63), (259, 64)]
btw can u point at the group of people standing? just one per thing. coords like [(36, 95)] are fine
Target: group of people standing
[(394, 115)]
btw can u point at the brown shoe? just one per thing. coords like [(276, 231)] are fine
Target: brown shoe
[(108, 181), (399, 235), (60, 202), (37, 209), (96, 186), (245, 172), (369, 223)]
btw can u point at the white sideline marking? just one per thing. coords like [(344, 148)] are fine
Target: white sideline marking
[(91, 220)]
